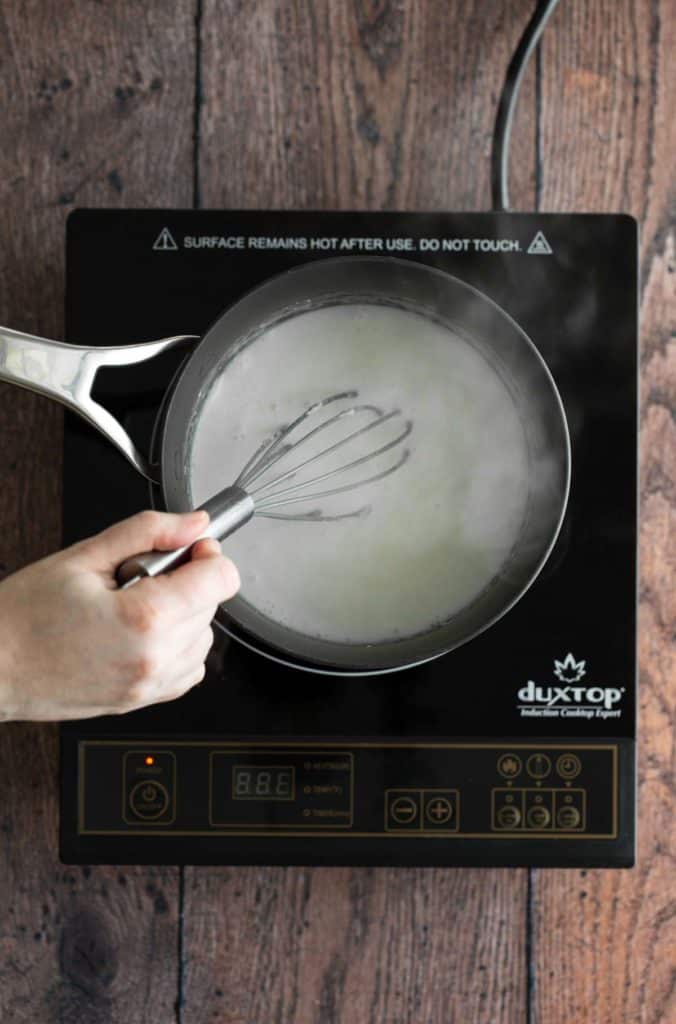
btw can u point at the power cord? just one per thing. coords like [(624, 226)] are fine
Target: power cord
[(508, 98)]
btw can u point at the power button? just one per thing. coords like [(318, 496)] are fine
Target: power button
[(149, 787), (149, 799)]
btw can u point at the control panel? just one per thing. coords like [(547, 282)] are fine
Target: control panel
[(405, 791)]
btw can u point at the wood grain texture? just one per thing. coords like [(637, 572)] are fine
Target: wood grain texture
[(87, 95), (604, 942), (336, 945), (360, 105), (343, 106)]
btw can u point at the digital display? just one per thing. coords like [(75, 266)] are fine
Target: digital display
[(262, 782)]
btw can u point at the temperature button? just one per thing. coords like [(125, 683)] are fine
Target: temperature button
[(539, 808), (538, 766), (539, 817)]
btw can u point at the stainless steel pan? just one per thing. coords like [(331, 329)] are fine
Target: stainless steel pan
[(66, 373)]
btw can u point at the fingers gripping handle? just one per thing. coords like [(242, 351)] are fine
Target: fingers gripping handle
[(66, 373), (228, 510)]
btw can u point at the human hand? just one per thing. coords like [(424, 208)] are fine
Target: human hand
[(72, 645)]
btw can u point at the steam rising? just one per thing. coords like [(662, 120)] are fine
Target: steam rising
[(441, 528)]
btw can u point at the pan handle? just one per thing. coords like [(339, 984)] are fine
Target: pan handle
[(66, 373)]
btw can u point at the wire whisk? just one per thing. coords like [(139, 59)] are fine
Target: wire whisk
[(274, 450), (276, 476)]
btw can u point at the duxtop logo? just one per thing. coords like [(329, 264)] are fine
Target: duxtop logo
[(569, 701), (569, 670)]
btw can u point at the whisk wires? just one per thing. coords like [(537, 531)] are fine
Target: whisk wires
[(275, 448)]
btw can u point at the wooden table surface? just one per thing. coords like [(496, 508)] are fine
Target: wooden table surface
[(371, 104)]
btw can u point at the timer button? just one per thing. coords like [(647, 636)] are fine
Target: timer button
[(568, 766), (509, 816), (538, 817), (568, 817), (148, 799)]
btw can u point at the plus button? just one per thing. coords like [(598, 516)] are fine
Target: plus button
[(438, 810)]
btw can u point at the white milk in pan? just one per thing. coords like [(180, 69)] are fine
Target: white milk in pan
[(440, 527)]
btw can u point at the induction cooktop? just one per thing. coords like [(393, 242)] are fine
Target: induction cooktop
[(517, 748)]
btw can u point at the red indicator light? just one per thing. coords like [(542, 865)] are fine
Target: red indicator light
[(150, 760)]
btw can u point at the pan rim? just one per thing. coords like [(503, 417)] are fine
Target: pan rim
[(226, 620)]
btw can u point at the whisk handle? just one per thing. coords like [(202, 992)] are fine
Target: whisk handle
[(228, 510)]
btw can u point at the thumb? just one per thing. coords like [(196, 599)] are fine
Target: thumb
[(146, 531), (207, 547)]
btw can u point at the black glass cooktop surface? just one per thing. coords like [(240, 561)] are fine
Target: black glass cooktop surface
[(516, 748)]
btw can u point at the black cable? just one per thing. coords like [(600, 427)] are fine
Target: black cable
[(510, 93)]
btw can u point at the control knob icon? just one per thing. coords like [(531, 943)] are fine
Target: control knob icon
[(509, 816), (538, 817), (568, 817)]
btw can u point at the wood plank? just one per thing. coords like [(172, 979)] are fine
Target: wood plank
[(364, 106), (605, 942), (331, 945), (86, 95)]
